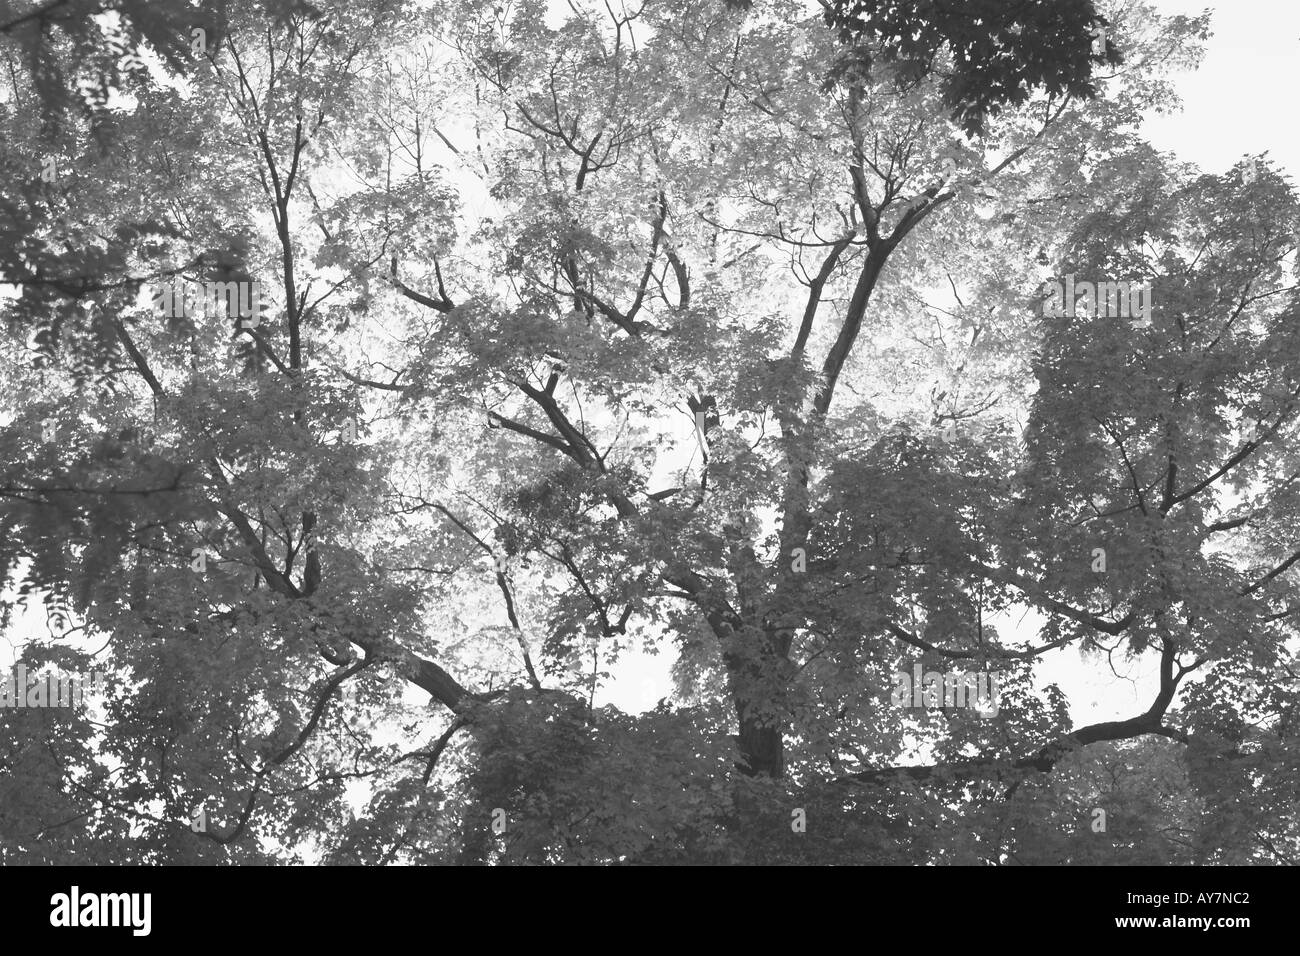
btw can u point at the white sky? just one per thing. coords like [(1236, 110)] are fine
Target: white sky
[(1240, 100)]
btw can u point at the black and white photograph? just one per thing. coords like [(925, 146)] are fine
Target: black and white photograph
[(692, 433)]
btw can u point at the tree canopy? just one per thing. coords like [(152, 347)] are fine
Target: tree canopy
[(680, 327)]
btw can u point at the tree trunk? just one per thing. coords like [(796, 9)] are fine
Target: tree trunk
[(762, 745), (758, 690)]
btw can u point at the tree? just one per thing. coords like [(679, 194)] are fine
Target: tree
[(657, 328), (995, 53)]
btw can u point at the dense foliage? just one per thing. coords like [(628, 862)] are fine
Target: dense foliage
[(715, 333)]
